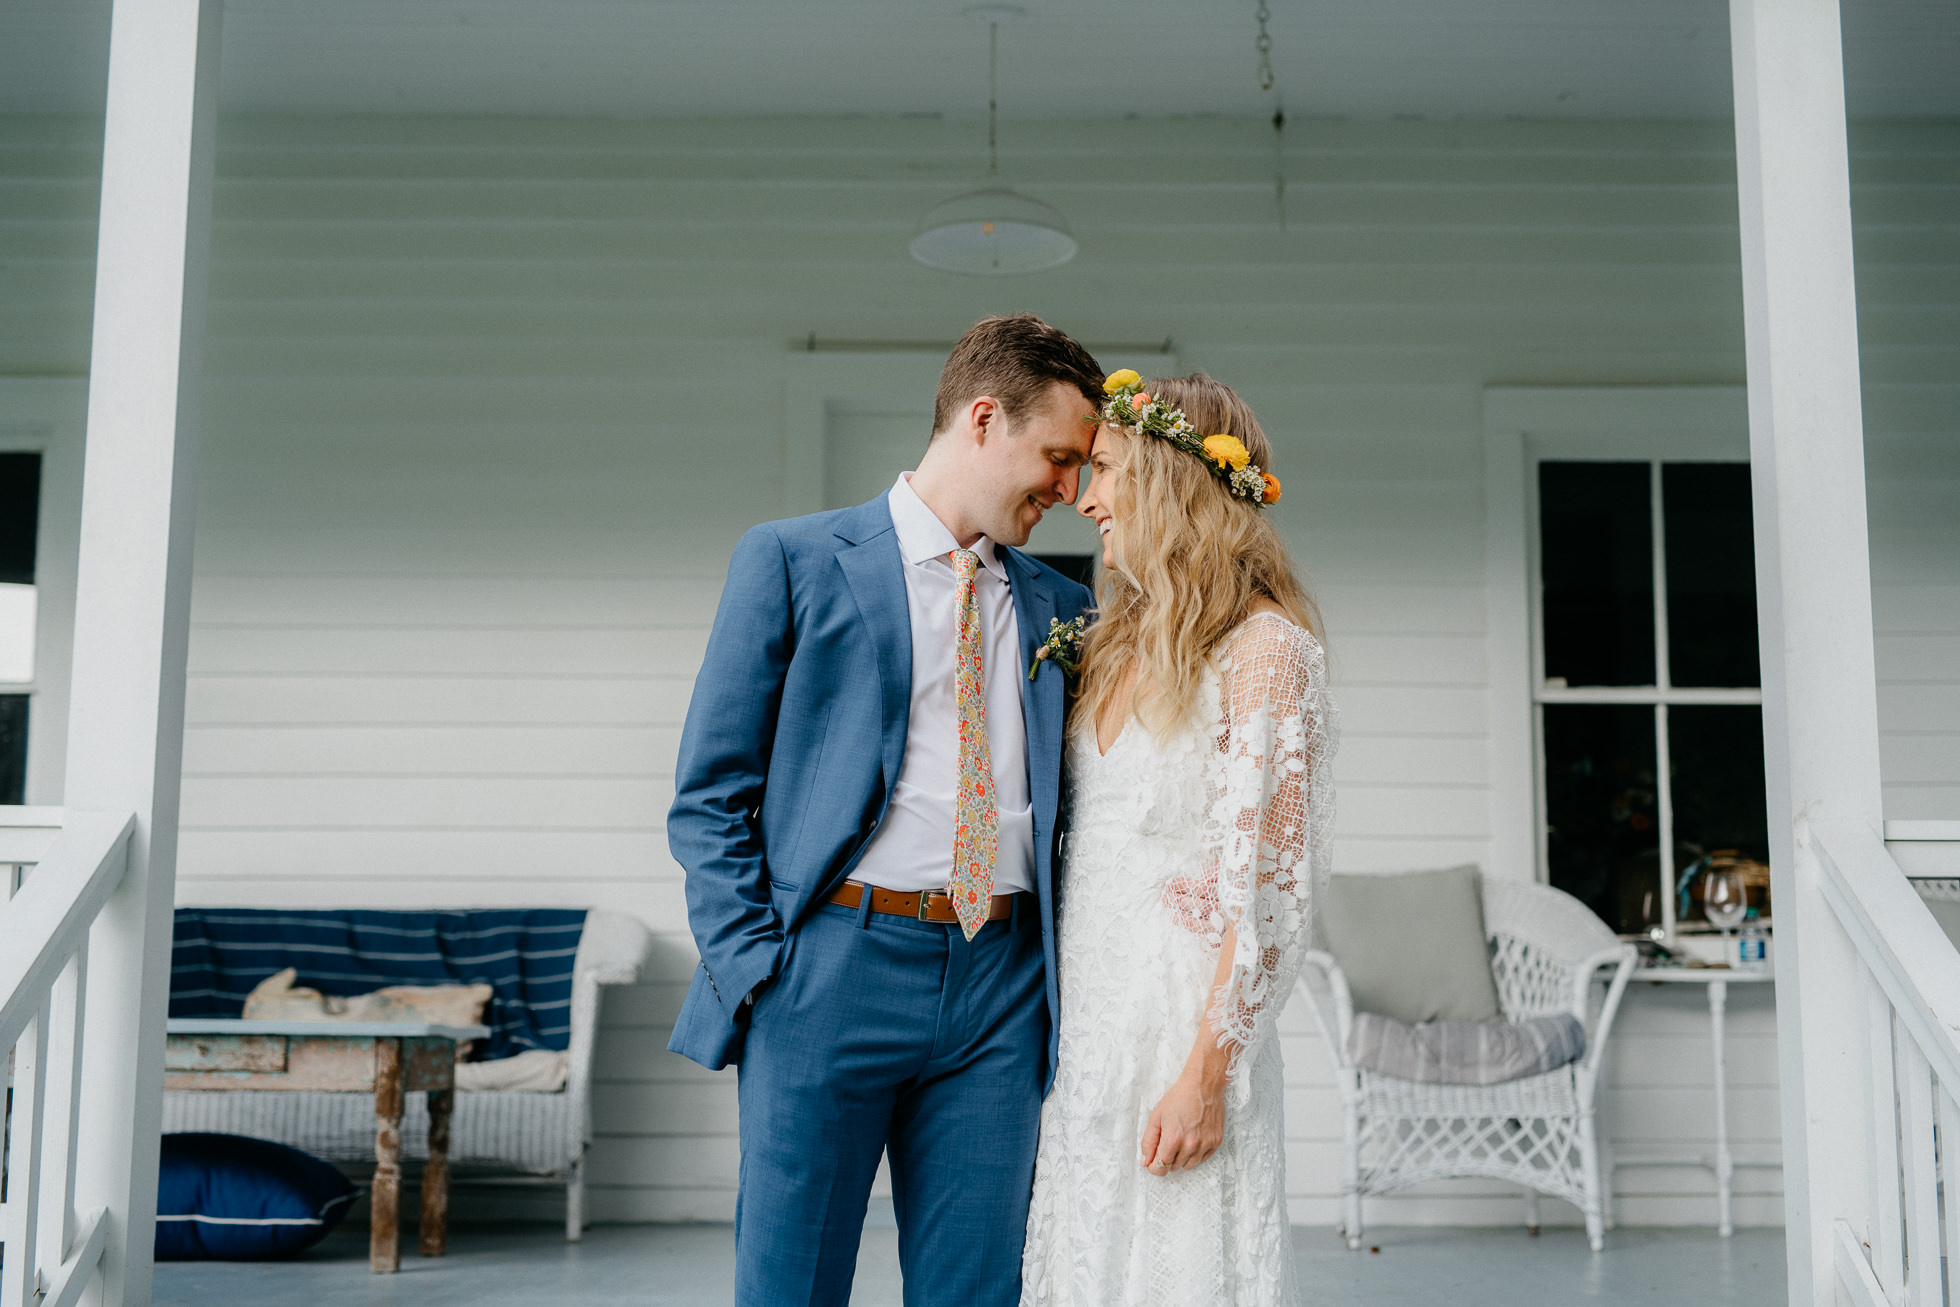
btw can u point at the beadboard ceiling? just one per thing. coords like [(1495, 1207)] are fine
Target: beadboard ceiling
[(1564, 58)]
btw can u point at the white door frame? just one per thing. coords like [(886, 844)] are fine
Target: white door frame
[(46, 415), (1523, 424)]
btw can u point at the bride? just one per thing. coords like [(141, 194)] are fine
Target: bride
[(1200, 807)]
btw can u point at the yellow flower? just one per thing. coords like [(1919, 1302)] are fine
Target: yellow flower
[(1117, 380), (1227, 451)]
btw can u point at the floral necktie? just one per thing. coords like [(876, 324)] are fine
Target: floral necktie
[(976, 832)]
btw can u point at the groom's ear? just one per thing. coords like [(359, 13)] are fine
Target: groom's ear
[(984, 417)]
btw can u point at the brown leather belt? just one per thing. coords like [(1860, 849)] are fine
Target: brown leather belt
[(924, 905)]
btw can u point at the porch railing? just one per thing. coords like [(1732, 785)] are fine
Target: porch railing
[(1910, 973), (61, 868)]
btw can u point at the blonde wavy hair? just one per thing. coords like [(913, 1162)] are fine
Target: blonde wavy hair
[(1194, 561)]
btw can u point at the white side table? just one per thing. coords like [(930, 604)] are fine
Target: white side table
[(1718, 980)]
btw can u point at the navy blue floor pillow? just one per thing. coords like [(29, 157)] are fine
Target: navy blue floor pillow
[(239, 1199)]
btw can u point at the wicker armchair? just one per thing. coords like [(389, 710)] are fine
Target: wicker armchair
[(1536, 1132)]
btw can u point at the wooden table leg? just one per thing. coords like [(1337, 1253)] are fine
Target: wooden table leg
[(384, 1249), (435, 1176)]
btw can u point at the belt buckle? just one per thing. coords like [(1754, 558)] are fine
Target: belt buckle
[(925, 900)]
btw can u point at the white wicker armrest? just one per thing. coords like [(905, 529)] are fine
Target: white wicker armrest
[(1333, 1005), (1621, 958), (611, 950), (612, 947)]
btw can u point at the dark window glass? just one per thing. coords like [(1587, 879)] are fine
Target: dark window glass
[(13, 748), (1720, 805), (1711, 574), (1604, 831), (1596, 553), (20, 508), (1076, 567)]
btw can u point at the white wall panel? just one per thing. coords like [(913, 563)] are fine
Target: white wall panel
[(490, 401)]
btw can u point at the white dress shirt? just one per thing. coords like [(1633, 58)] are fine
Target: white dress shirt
[(913, 848)]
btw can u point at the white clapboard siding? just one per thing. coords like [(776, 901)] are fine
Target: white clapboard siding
[(490, 401)]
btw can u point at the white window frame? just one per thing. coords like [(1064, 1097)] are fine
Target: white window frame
[(1522, 428), (47, 415)]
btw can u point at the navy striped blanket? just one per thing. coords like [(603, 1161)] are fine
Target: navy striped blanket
[(525, 956)]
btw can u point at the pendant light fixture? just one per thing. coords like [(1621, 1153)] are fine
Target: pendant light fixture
[(996, 230)]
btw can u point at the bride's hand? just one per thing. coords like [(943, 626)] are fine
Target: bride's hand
[(1189, 1121)]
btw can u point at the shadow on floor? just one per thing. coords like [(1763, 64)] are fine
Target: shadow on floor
[(661, 1264)]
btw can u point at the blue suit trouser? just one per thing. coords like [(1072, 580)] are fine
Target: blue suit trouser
[(884, 1033)]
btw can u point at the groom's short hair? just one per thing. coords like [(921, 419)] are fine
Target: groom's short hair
[(1015, 359)]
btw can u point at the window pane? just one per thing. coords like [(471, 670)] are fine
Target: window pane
[(1604, 838), (20, 506), (13, 747), (1716, 754), (1711, 574), (1596, 554)]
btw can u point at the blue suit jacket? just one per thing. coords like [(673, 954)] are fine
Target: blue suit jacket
[(794, 739)]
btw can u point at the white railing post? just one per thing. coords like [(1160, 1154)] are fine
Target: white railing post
[(1893, 1256), (1820, 703), (125, 734), (62, 1091), (1887, 1249), (49, 1250), (19, 1281)]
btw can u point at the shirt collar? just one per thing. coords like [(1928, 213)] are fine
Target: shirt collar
[(922, 537)]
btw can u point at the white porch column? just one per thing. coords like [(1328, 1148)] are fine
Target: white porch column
[(1813, 580), (126, 716)]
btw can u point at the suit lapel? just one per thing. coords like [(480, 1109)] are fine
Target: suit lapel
[(875, 573), (1042, 699)]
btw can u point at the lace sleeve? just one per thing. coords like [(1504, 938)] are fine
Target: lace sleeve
[(1273, 807)]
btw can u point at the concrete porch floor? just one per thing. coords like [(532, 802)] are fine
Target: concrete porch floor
[(658, 1264)]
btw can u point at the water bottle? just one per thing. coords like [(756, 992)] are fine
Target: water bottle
[(1753, 949)]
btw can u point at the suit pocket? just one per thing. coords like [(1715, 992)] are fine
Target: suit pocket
[(776, 977)]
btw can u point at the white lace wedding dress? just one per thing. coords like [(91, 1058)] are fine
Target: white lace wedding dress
[(1169, 840)]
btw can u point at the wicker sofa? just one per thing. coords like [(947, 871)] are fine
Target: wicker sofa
[(542, 1137)]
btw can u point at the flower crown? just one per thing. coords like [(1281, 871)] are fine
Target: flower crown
[(1225, 457)]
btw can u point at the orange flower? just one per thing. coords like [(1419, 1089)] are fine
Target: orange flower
[(1138, 400), (1272, 488)]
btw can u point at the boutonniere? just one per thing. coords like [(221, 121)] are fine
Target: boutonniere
[(1063, 646)]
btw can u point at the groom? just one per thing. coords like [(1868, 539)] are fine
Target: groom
[(865, 807)]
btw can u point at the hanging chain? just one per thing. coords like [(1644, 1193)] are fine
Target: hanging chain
[(1266, 83), (1265, 47), (1279, 165), (993, 95)]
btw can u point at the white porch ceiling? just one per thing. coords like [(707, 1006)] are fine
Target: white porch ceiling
[(1077, 58)]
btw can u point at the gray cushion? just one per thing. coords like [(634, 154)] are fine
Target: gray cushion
[(1412, 944), (1465, 1052)]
